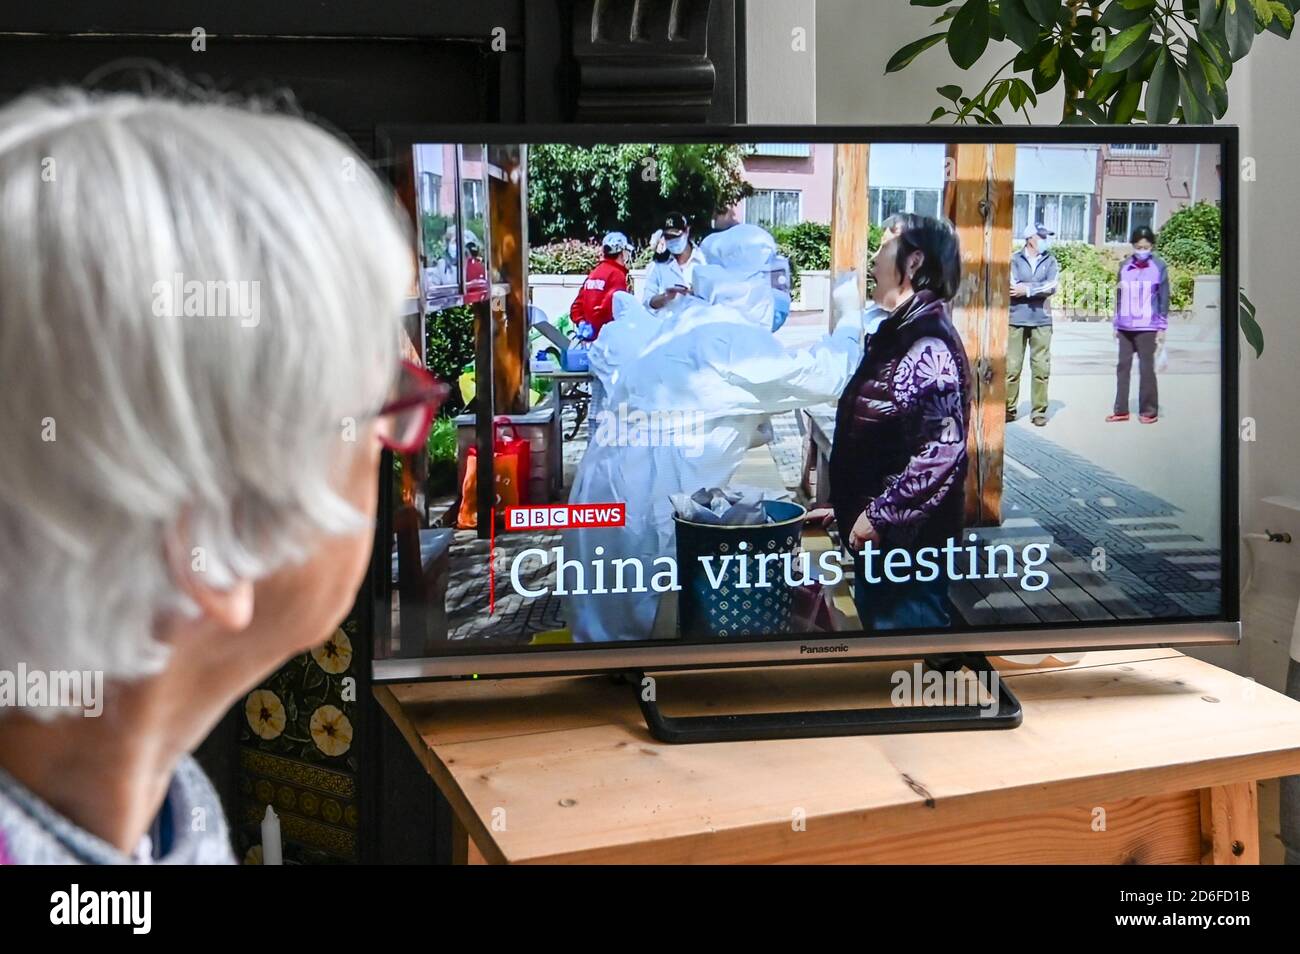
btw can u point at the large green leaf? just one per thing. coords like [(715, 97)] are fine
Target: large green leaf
[(1215, 42), (1197, 82), (1048, 71), (1162, 91), (907, 54), (1102, 85), (1239, 23), (1208, 12), (1283, 20), (999, 93), (1127, 48), (1028, 59), (1194, 110), (1026, 92), (1124, 106), (1019, 25), (1214, 81), (1141, 70), (1044, 11), (1117, 17), (968, 36), (1093, 111), (1072, 66)]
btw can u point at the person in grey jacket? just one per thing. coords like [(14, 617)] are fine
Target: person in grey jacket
[(1035, 275)]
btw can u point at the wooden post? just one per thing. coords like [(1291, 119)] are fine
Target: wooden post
[(850, 214), (508, 260), (979, 199)]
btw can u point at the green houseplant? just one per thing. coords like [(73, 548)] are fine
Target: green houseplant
[(1119, 61)]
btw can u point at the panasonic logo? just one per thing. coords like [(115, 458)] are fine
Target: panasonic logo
[(804, 649)]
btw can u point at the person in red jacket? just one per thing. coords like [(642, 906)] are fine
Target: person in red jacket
[(593, 307)]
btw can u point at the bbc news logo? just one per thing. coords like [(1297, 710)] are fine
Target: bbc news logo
[(566, 517)]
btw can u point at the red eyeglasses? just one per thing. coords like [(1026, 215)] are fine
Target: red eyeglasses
[(416, 399)]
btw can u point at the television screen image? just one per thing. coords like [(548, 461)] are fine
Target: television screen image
[(811, 398)]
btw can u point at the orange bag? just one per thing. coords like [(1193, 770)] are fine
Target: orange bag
[(510, 471)]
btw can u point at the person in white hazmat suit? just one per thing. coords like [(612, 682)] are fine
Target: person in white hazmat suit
[(684, 395)]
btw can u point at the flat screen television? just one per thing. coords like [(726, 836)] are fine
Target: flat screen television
[(760, 395)]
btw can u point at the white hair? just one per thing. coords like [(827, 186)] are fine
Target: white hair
[(131, 427)]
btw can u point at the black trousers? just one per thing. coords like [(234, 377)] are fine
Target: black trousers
[(1144, 343)]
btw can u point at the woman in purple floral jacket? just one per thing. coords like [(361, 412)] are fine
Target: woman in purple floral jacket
[(898, 467)]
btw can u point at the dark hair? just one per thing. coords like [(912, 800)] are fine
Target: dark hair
[(1142, 232), (937, 242)]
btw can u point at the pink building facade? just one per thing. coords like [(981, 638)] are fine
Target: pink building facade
[(1084, 193)]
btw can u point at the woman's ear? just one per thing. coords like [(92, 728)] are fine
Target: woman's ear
[(914, 263), (230, 609)]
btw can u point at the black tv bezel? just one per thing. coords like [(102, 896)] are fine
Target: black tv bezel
[(394, 143)]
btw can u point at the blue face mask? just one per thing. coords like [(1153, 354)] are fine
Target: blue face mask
[(1044, 244), (780, 309), (1142, 254), (677, 245)]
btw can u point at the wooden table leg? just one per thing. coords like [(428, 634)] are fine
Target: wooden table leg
[(463, 849), (1230, 824)]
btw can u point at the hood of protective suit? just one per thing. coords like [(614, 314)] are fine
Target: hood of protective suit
[(742, 248), (738, 274)]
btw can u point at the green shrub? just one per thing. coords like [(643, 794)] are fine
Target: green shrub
[(1088, 278), (809, 245), (448, 347), (1201, 221), (1191, 254), (1182, 283), (567, 257), (643, 258), (442, 440)]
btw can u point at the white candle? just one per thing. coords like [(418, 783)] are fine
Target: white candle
[(271, 853)]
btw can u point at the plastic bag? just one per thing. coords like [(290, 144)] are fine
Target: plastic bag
[(511, 465), (726, 507), (1162, 356)]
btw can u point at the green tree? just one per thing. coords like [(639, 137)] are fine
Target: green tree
[(582, 192)]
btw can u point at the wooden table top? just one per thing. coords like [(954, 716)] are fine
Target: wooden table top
[(567, 763)]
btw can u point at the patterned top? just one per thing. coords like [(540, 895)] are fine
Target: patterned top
[(899, 452), (191, 829), (926, 387)]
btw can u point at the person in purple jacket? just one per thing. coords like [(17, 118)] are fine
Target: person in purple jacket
[(898, 465), (1141, 316)]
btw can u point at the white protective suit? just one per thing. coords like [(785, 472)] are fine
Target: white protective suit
[(704, 377)]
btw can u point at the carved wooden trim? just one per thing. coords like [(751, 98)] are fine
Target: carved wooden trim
[(642, 60)]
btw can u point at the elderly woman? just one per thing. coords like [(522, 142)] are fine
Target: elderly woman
[(1141, 319), (199, 342), (898, 465)]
